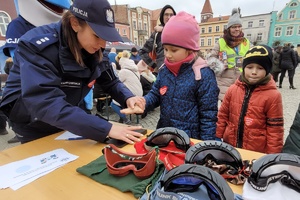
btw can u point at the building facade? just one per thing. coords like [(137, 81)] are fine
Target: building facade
[(257, 28), (211, 28), (287, 25)]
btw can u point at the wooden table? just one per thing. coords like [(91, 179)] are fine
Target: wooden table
[(65, 183)]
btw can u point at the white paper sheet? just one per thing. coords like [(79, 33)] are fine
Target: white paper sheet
[(20, 173)]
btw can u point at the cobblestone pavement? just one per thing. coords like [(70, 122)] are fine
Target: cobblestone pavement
[(291, 100)]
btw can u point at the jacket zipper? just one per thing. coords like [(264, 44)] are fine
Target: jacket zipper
[(240, 132)]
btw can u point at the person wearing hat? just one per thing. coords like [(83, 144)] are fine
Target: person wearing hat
[(186, 89), (230, 49), (154, 42), (56, 66), (39, 15), (251, 114), (135, 55)]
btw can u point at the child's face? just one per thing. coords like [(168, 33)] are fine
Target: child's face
[(254, 72), (175, 54)]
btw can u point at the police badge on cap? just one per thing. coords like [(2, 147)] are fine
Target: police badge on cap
[(99, 16)]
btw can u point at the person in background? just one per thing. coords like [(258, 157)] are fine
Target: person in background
[(112, 55), (130, 77), (117, 64), (186, 88), (230, 49), (54, 67), (135, 55), (147, 77), (3, 118), (155, 41), (39, 15), (292, 142), (251, 114), (276, 68), (287, 62)]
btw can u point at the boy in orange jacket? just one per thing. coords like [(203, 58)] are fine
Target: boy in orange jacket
[(251, 115)]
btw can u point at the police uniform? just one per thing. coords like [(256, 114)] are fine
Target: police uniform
[(46, 86), (16, 28)]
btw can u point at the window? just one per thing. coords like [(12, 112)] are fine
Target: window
[(250, 24), (261, 23), (259, 37), (289, 30), (145, 26), (141, 42), (124, 32), (294, 4), (225, 27), (277, 31), (202, 30), (217, 28), (202, 42), (140, 26), (248, 36), (280, 16), (145, 18), (139, 15), (4, 21), (292, 14), (209, 29), (209, 41), (216, 39), (134, 25)]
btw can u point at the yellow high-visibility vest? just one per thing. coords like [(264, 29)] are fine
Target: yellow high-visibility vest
[(231, 53)]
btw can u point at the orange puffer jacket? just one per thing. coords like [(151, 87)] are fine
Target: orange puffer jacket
[(252, 119)]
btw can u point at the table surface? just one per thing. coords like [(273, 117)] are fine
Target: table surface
[(65, 182)]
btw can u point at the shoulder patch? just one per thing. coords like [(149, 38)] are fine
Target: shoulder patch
[(42, 41)]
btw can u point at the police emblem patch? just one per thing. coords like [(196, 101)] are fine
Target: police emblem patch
[(109, 16)]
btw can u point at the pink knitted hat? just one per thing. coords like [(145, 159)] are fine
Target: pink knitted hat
[(182, 30)]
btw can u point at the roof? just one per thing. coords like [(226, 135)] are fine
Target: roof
[(220, 18), (207, 8)]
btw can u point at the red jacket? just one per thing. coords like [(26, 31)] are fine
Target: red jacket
[(252, 119)]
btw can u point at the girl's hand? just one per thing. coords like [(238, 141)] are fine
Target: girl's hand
[(136, 101)]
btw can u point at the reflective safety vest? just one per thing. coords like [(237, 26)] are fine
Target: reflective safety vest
[(231, 53)]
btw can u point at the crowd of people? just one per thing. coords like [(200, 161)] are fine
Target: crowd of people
[(50, 79)]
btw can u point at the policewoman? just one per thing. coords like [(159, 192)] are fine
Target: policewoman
[(54, 68)]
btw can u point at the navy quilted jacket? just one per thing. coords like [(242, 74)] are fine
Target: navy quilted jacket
[(185, 103)]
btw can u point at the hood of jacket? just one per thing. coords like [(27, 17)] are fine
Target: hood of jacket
[(215, 64), (163, 10)]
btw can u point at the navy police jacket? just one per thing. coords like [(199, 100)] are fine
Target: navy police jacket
[(46, 86)]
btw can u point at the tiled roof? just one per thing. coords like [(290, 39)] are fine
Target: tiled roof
[(221, 18)]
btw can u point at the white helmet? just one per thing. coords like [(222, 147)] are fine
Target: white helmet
[(41, 12)]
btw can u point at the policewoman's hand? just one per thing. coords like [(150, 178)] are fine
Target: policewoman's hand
[(135, 110), (125, 133)]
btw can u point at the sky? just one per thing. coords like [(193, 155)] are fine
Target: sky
[(219, 7)]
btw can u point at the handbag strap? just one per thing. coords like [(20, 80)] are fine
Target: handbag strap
[(154, 43)]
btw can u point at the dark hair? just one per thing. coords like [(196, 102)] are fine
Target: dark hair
[(163, 10), (70, 37)]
